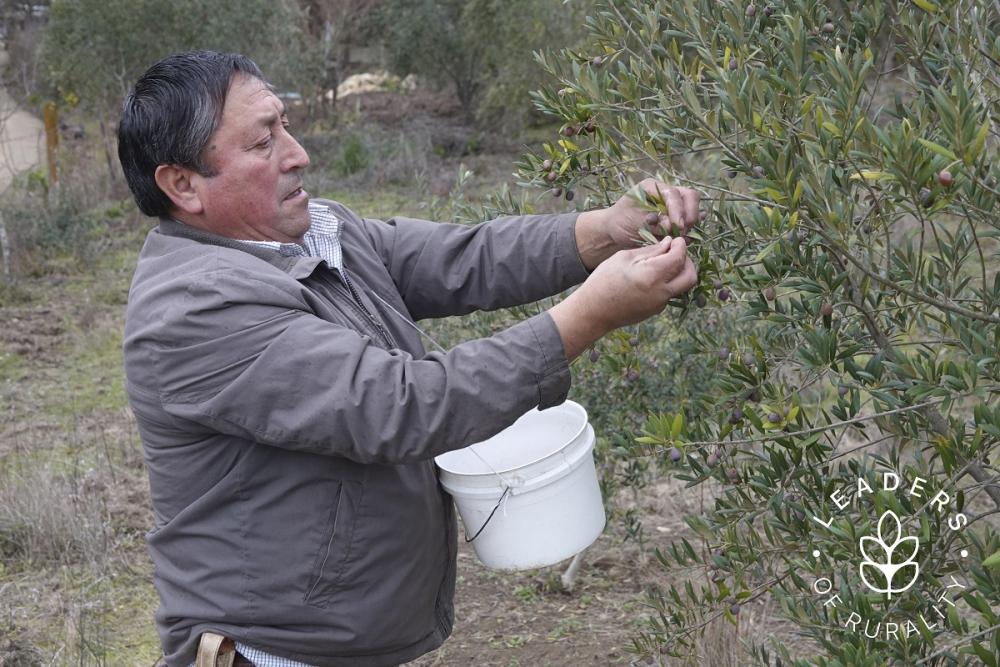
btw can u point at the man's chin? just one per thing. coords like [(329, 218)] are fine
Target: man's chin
[(298, 225), (296, 209)]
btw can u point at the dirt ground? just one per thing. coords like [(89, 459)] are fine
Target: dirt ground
[(506, 619)]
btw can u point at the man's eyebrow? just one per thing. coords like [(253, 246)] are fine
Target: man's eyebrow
[(270, 118)]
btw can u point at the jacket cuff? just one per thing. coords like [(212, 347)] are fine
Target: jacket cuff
[(573, 271), (553, 378)]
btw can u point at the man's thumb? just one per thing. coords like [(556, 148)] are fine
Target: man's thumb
[(654, 249)]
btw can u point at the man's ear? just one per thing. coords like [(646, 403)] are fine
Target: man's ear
[(178, 184)]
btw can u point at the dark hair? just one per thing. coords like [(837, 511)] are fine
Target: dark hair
[(169, 116)]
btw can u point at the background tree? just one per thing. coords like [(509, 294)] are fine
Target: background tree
[(848, 153), (337, 26), (94, 50), (481, 47), (20, 32)]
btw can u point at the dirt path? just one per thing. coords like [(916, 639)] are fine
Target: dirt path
[(21, 145), (22, 136)]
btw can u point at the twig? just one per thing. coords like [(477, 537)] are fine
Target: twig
[(923, 298), (965, 638), (817, 429)]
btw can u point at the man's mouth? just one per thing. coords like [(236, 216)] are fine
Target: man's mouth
[(297, 192)]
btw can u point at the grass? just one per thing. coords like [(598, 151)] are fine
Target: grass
[(10, 365), (94, 380), (74, 575)]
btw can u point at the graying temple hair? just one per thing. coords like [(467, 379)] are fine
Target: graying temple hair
[(169, 116)]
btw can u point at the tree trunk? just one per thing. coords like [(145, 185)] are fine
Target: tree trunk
[(465, 90), (5, 249), (112, 172), (330, 76)]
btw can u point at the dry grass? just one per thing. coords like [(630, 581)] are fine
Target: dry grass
[(49, 517)]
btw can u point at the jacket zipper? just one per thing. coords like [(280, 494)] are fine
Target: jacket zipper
[(379, 328)]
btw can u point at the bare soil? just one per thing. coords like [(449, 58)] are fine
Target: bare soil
[(526, 618)]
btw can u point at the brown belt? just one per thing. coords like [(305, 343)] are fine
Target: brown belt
[(214, 650)]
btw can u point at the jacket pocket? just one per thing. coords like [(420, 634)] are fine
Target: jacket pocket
[(334, 552)]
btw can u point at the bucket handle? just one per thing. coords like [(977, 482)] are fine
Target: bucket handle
[(482, 527)]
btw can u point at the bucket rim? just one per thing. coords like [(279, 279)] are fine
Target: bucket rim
[(572, 405)]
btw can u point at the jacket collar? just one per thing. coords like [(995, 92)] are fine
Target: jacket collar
[(298, 267)]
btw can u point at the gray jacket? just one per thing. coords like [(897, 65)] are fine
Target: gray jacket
[(290, 441)]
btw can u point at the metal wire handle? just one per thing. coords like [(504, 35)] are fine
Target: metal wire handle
[(486, 523)]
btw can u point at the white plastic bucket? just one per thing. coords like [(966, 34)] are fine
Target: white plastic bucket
[(552, 508)]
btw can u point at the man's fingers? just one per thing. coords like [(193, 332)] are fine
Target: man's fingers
[(653, 187), (678, 247), (667, 245), (682, 205), (683, 281), (670, 263), (652, 250), (692, 204), (675, 208)]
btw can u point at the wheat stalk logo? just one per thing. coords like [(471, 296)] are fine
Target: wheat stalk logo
[(889, 559)]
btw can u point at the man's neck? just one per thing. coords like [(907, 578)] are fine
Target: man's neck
[(241, 234)]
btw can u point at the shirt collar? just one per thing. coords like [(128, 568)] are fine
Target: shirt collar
[(321, 241)]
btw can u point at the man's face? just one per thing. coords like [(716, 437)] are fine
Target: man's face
[(255, 192)]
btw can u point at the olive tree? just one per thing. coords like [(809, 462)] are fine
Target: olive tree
[(847, 151)]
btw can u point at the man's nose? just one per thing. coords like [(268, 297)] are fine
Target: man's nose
[(296, 157)]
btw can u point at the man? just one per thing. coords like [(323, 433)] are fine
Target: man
[(288, 410)]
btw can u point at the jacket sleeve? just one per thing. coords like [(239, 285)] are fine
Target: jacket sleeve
[(247, 359), (443, 269)]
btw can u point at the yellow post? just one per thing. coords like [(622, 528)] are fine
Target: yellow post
[(51, 118)]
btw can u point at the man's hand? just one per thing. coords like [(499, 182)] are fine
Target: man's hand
[(629, 287), (602, 232)]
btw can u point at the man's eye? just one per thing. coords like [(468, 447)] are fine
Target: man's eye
[(265, 143)]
